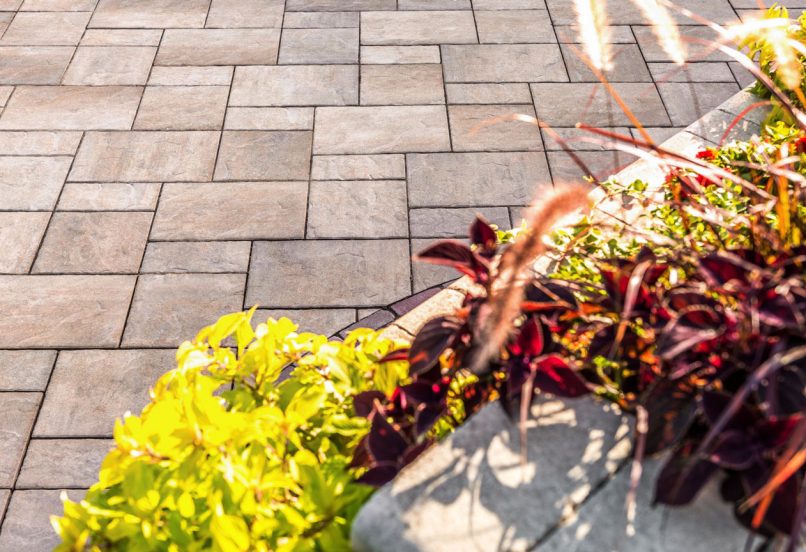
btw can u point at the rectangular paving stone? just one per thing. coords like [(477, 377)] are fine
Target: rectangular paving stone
[(491, 128), (328, 273), (320, 20), (625, 12), (124, 375), (335, 5), (453, 222), (298, 85), (418, 27), (402, 84), (170, 308), (560, 104), (514, 26), (197, 257), (39, 142), (399, 54), (509, 4), (71, 108), (79, 461), (5, 19), (191, 76), (692, 37), (601, 164), (5, 94), (503, 63), (687, 102), (142, 156), (25, 370), (475, 179), (121, 37), (45, 29), (110, 65), (27, 525), (320, 321), (109, 196), (182, 108), (358, 167), (264, 155), (269, 118), (427, 275), (94, 243), (31, 183), (628, 65), (158, 14), (577, 139), (299, 46), (385, 129), (58, 5), (433, 5), (358, 209), (17, 413), (218, 47), (245, 210), (488, 93), (619, 34), (33, 65), (692, 72), (20, 234), (245, 13)]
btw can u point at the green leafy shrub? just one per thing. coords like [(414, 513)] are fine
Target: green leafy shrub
[(230, 455)]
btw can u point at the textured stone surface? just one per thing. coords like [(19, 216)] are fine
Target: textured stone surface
[(182, 108), (453, 222), (79, 462), (358, 209), (402, 84), (150, 13), (20, 234), (503, 63), (219, 47), (198, 257), (297, 85), (514, 26), (33, 65), (417, 27), (39, 142), (17, 413), (488, 93), (399, 54), (109, 196), (45, 29), (25, 370), (31, 182), (107, 65), (322, 321), (257, 155), (355, 167), (493, 128), (269, 118), (319, 46), (26, 525)]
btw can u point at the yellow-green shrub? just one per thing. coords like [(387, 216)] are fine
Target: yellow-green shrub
[(228, 457)]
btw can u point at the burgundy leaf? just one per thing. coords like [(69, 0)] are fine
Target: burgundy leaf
[(456, 255), (733, 450), (432, 340), (379, 475), (385, 443), (484, 237), (427, 415), (679, 483), (529, 342), (414, 451), (555, 376), (363, 403)]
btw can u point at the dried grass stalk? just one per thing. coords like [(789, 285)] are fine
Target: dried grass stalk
[(594, 32), (664, 28)]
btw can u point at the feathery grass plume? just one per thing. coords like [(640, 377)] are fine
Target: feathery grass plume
[(513, 271), (665, 29), (594, 32)]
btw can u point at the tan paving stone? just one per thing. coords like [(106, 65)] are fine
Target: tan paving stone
[(693, 37), (687, 102), (453, 222), (487, 93), (269, 118), (475, 179), (628, 65), (560, 105), (244, 210), (17, 413), (71, 108), (5, 94), (328, 273), (514, 26), (418, 27), (78, 465), (264, 155), (20, 234), (320, 321), (320, 20), (619, 34), (578, 139), (601, 164), (358, 209), (31, 183), (295, 85), (219, 75), (509, 4), (182, 108), (219, 47), (33, 65), (58, 5), (110, 65), (399, 54), (27, 525), (692, 72), (503, 63), (39, 142), (145, 157), (124, 375), (433, 5), (45, 29), (10, 5), (358, 167), (121, 37), (156, 14), (245, 13), (94, 243), (384, 129), (168, 309), (625, 12), (109, 196), (25, 371), (400, 84), (491, 128), (196, 257), (5, 19), (345, 5), (299, 46)]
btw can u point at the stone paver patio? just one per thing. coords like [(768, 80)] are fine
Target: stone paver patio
[(163, 162)]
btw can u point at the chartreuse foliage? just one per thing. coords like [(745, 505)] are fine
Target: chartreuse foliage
[(231, 456)]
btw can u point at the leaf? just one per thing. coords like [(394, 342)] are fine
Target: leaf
[(384, 441), (230, 533), (555, 376), (678, 483), (432, 340), (483, 236), (456, 255)]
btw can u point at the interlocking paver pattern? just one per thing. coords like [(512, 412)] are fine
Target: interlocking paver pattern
[(163, 162)]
